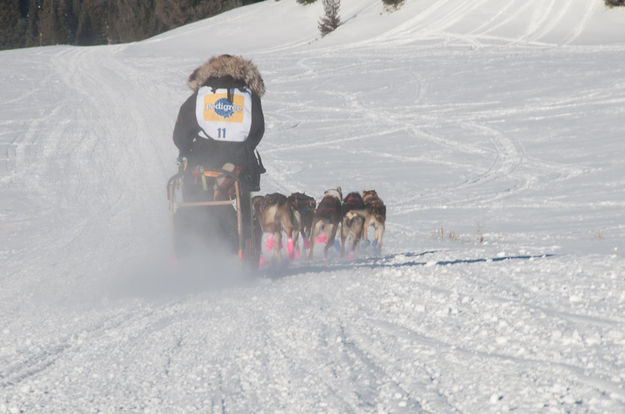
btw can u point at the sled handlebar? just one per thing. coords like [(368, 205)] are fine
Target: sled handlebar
[(209, 173)]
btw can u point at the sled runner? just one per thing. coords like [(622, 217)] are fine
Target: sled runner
[(207, 209)]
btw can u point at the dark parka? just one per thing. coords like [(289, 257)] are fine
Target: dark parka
[(223, 71)]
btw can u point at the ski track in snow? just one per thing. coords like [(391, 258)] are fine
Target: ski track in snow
[(494, 138)]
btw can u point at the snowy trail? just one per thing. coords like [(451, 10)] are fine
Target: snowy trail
[(86, 188), (493, 131)]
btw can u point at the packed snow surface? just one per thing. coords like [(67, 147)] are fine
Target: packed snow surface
[(494, 132)]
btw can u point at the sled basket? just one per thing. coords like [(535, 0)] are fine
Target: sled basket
[(234, 198)]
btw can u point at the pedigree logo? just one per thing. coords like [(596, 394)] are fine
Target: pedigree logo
[(224, 108), (218, 108)]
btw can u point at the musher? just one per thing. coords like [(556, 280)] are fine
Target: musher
[(218, 128)]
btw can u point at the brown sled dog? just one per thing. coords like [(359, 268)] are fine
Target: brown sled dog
[(352, 224), (275, 215), (376, 217), (303, 207), (326, 219)]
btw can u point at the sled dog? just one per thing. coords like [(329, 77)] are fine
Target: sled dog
[(326, 220), (275, 215), (352, 223), (303, 207), (375, 216)]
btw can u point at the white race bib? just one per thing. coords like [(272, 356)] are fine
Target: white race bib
[(221, 119)]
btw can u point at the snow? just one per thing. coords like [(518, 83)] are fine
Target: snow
[(492, 130)]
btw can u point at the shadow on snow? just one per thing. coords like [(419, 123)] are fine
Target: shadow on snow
[(393, 260)]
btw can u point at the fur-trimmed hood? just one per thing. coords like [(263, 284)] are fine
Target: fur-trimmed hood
[(236, 66)]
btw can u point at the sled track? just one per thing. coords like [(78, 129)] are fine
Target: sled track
[(454, 21)]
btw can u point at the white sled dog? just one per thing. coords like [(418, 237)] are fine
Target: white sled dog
[(326, 220), (376, 217)]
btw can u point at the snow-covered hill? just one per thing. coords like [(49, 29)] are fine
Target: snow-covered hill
[(493, 131)]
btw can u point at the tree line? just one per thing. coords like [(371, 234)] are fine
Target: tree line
[(26, 23)]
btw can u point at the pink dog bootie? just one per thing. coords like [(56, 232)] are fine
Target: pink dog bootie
[(290, 247), (269, 243)]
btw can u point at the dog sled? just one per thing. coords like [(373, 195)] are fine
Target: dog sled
[(216, 215)]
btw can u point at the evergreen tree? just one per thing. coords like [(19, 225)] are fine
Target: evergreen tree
[(393, 3), (90, 22), (12, 25), (52, 22), (32, 36), (330, 21), (93, 23), (67, 21)]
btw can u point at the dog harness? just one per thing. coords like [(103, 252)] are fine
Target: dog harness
[(353, 201), (302, 202), (270, 200), (329, 206)]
